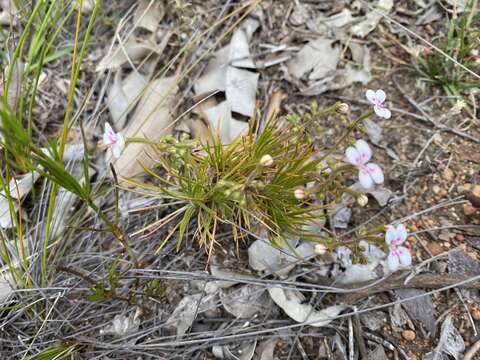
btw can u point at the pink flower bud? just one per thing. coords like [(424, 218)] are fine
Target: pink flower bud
[(343, 108), (299, 194), (266, 160)]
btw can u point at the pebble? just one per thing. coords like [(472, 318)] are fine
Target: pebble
[(434, 248), (436, 189), (476, 314), (459, 237), (448, 174), (413, 228), (468, 209), (409, 335), (476, 190)]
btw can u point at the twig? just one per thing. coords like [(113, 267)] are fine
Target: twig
[(472, 351), (422, 281), (436, 125)]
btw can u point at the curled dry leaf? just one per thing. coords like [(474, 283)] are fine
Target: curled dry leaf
[(451, 342), (246, 301), (372, 19), (7, 13), (6, 289), (213, 286), (18, 187), (291, 302), (318, 56), (223, 124), (152, 120), (148, 14), (243, 351), (265, 349), (122, 325), (132, 50), (15, 86), (225, 72), (263, 256), (123, 95), (186, 311)]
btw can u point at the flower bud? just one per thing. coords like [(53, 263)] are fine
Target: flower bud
[(299, 194), (343, 108), (362, 200), (266, 161), (320, 249)]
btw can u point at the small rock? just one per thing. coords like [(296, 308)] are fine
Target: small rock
[(476, 314), (413, 228), (467, 186), (434, 248), (459, 237), (436, 189), (468, 209), (409, 335), (448, 174), (476, 190)]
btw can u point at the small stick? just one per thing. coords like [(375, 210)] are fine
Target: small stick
[(422, 281), (472, 351)]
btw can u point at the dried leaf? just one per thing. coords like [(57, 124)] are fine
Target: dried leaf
[(451, 342), (372, 19), (460, 263), (341, 79), (7, 15), (265, 349), (222, 123), (152, 120), (420, 309), (132, 50), (318, 56), (291, 302), (374, 131), (213, 286), (240, 90), (123, 95), (6, 288), (148, 14), (263, 256), (15, 87), (246, 301), (122, 325), (186, 311)]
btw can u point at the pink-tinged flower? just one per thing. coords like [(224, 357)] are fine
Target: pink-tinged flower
[(359, 156), (399, 256), (377, 98), (113, 140)]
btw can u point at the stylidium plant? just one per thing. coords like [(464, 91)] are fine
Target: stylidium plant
[(113, 140), (377, 98), (399, 256), (359, 156)]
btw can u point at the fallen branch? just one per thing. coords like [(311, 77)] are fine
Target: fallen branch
[(421, 281)]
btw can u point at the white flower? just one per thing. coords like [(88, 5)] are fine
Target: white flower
[(399, 256), (113, 140), (359, 156), (377, 98)]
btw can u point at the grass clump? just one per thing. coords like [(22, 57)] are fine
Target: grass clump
[(459, 44), (273, 179)]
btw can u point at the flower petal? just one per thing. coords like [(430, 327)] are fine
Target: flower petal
[(376, 173), (116, 151), (364, 150), (365, 179), (391, 234), (120, 141), (402, 233), (352, 154), (371, 96), (382, 112), (404, 256), (108, 135), (393, 262), (380, 95)]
